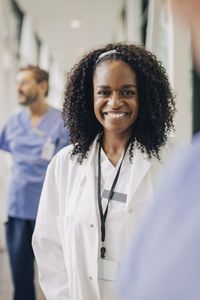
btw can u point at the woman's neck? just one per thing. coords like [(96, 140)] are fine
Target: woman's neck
[(114, 146)]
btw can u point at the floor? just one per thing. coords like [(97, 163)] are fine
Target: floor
[(6, 288)]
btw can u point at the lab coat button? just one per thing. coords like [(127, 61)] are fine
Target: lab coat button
[(130, 210), (91, 225), (90, 278)]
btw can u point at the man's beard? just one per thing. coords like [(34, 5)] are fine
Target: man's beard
[(28, 100)]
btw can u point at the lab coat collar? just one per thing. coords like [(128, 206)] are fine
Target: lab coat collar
[(140, 166)]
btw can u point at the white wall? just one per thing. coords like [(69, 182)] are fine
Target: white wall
[(134, 21)]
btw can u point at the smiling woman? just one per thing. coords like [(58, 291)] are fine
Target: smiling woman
[(119, 110), (136, 66)]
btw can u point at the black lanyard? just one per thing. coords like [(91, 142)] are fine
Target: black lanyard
[(103, 216)]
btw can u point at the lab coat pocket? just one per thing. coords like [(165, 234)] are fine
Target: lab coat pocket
[(67, 228)]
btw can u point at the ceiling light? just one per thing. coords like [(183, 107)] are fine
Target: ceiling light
[(75, 23)]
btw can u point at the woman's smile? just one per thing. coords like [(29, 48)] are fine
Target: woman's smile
[(116, 115)]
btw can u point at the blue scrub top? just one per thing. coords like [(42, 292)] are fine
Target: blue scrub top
[(28, 170)]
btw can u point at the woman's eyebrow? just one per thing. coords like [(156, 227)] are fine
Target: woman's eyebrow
[(125, 86), (103, 86)]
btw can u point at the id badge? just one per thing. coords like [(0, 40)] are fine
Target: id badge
[(107, 269), (48, 150)]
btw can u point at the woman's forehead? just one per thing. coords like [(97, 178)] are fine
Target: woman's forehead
[(114, 70)]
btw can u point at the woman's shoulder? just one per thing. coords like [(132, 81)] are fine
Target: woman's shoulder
[(64, 156), (165, 152), (60, 160), (167, 149), (65, 159), (65, 151)]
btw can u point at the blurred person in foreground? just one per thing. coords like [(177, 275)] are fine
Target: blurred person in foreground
[(32, 136), (164, 260), (119, 109)]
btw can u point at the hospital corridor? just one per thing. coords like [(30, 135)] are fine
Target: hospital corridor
[(96, 96)]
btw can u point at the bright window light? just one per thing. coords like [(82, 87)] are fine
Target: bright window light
[(75, 24)]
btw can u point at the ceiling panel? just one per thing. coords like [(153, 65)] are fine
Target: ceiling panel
[(51, 20)]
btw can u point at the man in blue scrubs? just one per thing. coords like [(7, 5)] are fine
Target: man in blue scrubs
[(32, 137), (164, 259)]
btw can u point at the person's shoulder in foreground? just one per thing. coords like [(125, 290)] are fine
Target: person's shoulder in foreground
[(163, 262)]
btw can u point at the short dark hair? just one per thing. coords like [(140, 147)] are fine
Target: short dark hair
[(156, 100), (38, 73)]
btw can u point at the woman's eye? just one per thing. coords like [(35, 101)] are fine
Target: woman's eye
[(104, 93), (128, 93)]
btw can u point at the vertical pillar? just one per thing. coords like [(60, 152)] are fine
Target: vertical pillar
[(28, 49), (180, 67), (134, 21), (169, 40)]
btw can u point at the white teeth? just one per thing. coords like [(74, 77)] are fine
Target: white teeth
[(113, 115)]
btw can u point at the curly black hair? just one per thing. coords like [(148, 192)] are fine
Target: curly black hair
[(156, 100)]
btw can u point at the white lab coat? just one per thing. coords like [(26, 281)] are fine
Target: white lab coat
[(66, 235)]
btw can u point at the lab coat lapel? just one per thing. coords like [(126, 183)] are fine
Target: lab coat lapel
[(88, 178), (140, 167)]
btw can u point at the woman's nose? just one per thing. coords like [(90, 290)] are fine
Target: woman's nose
[(114, 101)]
